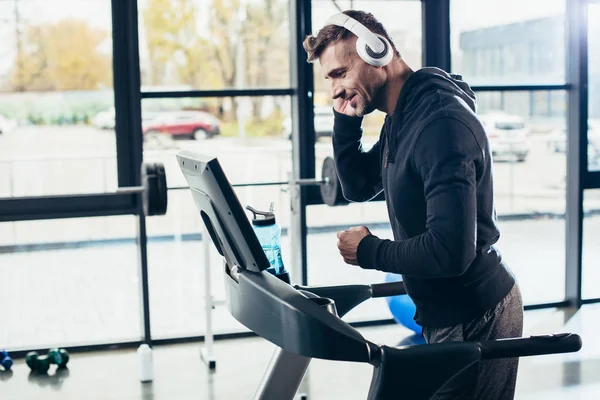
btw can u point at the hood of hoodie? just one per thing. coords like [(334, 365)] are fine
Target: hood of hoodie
[(421, 87), (429, 80)]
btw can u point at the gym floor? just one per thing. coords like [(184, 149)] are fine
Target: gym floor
[(180, 374)]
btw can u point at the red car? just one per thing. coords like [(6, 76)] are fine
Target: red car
[(195, 124)]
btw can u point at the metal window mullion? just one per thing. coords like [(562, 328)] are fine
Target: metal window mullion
[(303, 137), (66, 206), (128, 128), (576, 67), (435, 16), (520, 88), (592, 180), (218, 93)]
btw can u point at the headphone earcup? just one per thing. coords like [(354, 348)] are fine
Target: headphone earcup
[(376, 60)]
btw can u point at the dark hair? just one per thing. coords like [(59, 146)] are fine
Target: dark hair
[(315, 45)]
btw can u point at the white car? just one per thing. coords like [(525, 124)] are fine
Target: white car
[(105, 119), (558, 138), (508, 135), (323, 123), (7, 125)]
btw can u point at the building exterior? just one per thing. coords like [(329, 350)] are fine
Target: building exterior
[(528, 52)]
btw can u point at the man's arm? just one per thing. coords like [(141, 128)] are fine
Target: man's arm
[(444, 155), (359, 171)]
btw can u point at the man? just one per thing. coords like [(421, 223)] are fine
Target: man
[(433, 163)]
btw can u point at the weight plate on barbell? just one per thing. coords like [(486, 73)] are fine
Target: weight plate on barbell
[(154, 180), (331, 191)]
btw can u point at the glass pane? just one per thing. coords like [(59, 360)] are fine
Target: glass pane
[(326, 266), (530, 200), (250, 135), (594, 86), (176, 265), (213, 44), (258, 150), (401, 19), (591, 250), (69, 282), (56, 97), (525, 131), (508, 42), (176, 262)]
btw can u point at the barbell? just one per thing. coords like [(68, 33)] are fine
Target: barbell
[(154, 186)]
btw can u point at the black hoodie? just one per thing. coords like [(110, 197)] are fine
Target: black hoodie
[(433, 162)]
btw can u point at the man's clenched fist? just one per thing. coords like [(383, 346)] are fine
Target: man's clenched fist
[(348, 241)]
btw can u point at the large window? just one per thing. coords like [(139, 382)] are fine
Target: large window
[(256, 150), (214, 44), (325, 264), (192, 45), (56, 97), (521, 43), (175, 248), (508, 42), (529, 200), (69, 282)]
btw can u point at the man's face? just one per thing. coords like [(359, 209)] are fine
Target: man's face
[(351, 78)]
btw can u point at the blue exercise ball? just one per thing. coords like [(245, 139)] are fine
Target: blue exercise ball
[(402, 307)]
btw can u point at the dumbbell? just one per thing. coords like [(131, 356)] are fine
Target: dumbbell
[(41, 363), (5, 361), (59, 357), (37, 363)]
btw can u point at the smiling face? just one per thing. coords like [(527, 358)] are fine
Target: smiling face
[(352, 79)]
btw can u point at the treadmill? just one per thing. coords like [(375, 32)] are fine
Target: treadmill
[(306, 322)]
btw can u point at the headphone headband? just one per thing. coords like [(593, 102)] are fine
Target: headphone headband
[(358, 29), (374, 49)]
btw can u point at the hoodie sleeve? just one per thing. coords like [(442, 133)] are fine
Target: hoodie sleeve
[(359, 171), (445, 157)]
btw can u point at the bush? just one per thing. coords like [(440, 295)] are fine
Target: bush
[(271, 126)]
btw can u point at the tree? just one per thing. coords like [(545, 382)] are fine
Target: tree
[(265, 34), (224, 38), (65, 55), (179, 54)]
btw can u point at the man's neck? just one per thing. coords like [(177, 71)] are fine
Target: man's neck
[(399, 72)]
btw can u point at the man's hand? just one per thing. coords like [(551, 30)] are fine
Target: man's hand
[(348, 241), (343, 106)]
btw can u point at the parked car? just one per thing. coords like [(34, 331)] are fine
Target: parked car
[(7, 125), (508, 135), (196, 124), (323, 123), (104, 119), (558, 138)]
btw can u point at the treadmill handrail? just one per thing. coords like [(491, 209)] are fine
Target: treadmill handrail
[(347, 297), (532, 346)]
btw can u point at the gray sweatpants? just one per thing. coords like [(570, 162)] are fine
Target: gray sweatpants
[(488, 379)]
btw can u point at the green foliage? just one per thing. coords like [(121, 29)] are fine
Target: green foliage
[(270, 126), (172, 39), (63, 55)]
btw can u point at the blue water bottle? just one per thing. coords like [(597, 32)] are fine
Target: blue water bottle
[(268, 233)]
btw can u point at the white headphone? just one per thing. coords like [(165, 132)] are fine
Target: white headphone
[(374, 49)]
